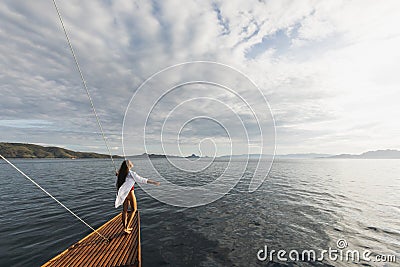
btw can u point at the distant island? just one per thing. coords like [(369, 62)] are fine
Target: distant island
[(31, 151), (20, 150), (157, 156), (377, 154), (153, 156)]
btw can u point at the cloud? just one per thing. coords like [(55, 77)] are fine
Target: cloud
[(26, 124), (324, 66)]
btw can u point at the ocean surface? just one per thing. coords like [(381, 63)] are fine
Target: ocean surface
[(302, 205)]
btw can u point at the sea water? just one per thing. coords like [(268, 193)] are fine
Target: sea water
[(303, 205)]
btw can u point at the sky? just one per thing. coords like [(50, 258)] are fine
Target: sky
[(328, 71)]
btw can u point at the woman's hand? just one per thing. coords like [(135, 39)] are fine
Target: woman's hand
[(153, 182)]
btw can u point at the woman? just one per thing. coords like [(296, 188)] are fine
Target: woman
[(125, 184)]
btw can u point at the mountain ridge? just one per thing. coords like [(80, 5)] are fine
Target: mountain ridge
[(26, 150), (376, 154)]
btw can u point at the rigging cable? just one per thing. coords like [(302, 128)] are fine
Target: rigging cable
[(98, 122), (84, 84), (50, 195)]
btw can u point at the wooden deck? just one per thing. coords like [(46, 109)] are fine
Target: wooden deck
[(121, 250)]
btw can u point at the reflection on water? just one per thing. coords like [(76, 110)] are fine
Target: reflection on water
[(303, 204)]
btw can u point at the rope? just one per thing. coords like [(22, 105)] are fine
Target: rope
[(59, 202), (98, 122), (84, 84)]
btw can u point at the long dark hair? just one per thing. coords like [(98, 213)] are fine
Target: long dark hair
[(122, 173)]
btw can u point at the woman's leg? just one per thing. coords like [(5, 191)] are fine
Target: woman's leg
[(132, 202), (124, 214)]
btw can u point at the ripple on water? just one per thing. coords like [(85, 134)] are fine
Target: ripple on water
[(304, 204)]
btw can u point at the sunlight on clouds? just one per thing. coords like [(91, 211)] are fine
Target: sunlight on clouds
[(328, 68), (21, 123)]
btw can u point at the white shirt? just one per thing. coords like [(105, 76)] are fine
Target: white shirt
[(126, 187)]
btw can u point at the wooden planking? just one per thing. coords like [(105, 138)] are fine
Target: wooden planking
[(93, 250), (74, 255)]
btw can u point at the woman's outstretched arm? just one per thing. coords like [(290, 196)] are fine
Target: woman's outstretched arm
[(140, 179), (152, 182)]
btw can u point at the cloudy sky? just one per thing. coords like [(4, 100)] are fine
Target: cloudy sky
[(328, 69)]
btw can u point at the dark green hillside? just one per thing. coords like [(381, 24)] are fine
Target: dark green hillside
[(19, 150)]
